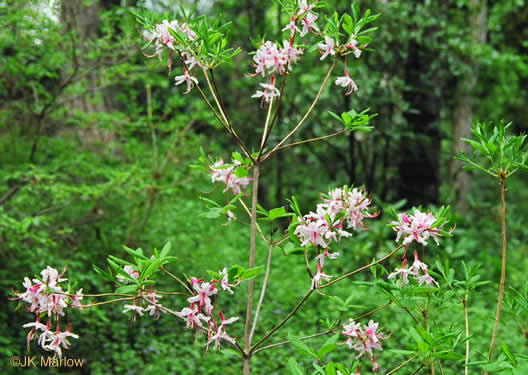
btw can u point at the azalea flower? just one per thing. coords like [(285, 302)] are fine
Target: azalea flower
[(224, 281), (346, 81), (221, 333), (137, 309), (363, 340), (321, 258), (226, 174), (192, 316), (309, 24), (292, 26), (327, 48), (269, 92), (187, 78), (417, 227), (353, 45), (319, 276), (403, 272), (204, 292)]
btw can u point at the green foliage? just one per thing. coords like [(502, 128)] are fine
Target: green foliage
[(501, 154)]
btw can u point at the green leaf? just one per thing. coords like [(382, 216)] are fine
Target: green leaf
[(294, 367), (328, 346), (506, 350), (166, 250), (250, 273), (302, 347), (127, 289)]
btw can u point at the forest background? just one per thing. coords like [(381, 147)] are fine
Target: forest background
[(98, 148)]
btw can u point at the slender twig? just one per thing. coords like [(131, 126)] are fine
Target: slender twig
[(152, 130), (107, 302), (169, 293), (218, 93), (96, 295), (402, 364), (312, 140), (266, 125), (503, 268), (440, 366), (177, 279), (283, 322), (308, 112), (332, 330), (256, 223), (279, 101), (228, 125), (262, 293), (362, 268), (252, 248), (464, 301), (171, 312)]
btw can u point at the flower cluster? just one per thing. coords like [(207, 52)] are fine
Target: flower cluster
[(162, 38), (320, 228), (308, 18), (329, 47), (47, 297), (418, 228), (421, 277), (363, 340), (272, 59), (199, 314), (227, 174)]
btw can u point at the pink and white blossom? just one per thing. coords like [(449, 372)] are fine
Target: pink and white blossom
[(363, 340), (186, 78), (417, 227), (224, 173), (347, 82), (327, 48)]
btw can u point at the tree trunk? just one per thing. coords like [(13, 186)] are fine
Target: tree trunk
[(463, 112)]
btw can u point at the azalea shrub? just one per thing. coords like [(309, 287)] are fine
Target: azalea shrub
[(319, 238)]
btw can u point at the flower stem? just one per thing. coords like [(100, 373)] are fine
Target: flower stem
[(325, 332), (503, 268), (467, 332), (262, 293), (403, 364), (308, 112), (252, 246), (284, 321), (362, 268)]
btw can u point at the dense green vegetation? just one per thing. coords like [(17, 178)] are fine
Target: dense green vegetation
[(100, 150)]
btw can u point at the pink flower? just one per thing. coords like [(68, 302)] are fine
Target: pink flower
[(319, 276), (269, 92), (187, 78), (417, 227), (353, 45), (327, 48), (363, 340), (220, 332), (346, 81), (226, 174), (202, 298), (192, 316), (308, 22), (326, 254), (403, 272), (292, 27), (224, 281), (271, 59), (137, 309)]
